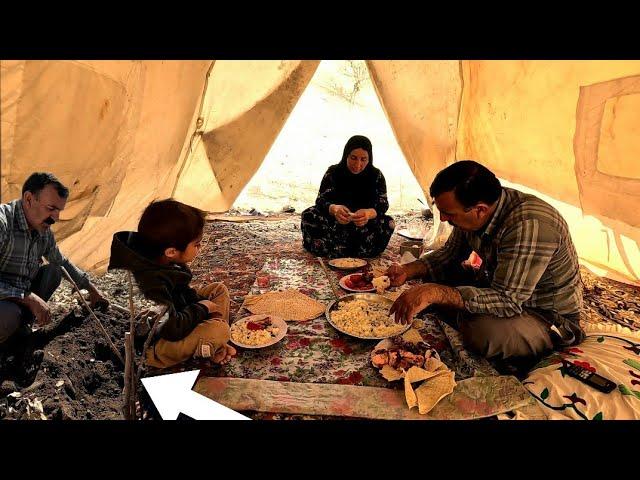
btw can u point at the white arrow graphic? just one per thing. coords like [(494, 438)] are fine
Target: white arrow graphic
[(172, 395)]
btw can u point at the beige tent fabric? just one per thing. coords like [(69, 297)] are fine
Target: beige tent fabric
[(113, 131), (168, 106), (11, 73), (607, 148), (422, 101), (246, 106), (71, 118), (121, 133), (567, 129), (118, 133), (520, 117)]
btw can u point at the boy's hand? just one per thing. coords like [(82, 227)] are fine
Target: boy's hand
[(211, 307)]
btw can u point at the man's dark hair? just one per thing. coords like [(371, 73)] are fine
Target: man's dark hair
[(38, 180), (470, 182), (169, 223)]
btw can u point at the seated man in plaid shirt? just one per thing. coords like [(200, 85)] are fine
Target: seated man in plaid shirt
[(25, 237), (509, 268)]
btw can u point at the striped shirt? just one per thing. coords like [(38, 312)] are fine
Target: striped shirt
[(21, 252), (528, 260)]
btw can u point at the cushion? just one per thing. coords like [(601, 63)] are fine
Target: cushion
[(611, 351)]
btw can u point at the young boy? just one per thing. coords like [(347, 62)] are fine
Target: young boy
[(196, 323)]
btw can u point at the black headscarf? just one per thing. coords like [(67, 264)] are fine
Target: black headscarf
[(356, 190)]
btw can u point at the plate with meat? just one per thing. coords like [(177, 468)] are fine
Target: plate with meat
[(358, 282), (402, 352), (258, 331)]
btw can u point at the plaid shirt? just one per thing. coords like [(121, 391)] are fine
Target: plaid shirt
[(528, 260), (21, 252)]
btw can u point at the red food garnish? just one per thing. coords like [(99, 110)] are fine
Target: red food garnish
[(255, 326), (357, 282)]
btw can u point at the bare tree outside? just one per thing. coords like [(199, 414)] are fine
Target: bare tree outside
[(355, 75)]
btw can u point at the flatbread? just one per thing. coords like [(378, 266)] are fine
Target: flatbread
[(433, 390), (409, 394), (391, 374), (417, 374), (288, 304), (432, 364), (412, 336)]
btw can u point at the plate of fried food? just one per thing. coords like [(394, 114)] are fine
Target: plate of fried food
[(365, 316), (258, 331), (347, 263)]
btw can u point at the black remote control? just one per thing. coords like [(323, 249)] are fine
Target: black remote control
[(589, 378)]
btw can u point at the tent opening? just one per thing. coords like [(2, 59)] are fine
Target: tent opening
[(340, 101)]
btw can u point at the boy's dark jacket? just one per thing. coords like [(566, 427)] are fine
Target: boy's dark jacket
[(164, 284)]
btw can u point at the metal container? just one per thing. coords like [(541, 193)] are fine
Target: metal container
[(368, 297)]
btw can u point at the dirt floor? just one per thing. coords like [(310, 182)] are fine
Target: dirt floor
[(75, 375)]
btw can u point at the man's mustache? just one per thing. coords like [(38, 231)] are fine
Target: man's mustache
[(49, 221)]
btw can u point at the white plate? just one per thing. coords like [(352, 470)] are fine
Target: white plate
[(369, 297), (360, 262), (348, 289), (276, 321)]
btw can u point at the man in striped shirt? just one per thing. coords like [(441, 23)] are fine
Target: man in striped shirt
[(509, 268), (25, 237)]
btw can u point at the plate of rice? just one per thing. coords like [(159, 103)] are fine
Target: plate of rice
[(258, 331), (348, 263), (365, 316)]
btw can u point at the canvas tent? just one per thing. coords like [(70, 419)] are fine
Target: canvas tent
[(121, 133)]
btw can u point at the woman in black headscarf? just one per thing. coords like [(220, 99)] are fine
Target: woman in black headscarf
[(348, 219)]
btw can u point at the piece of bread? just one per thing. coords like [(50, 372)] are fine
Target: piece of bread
[(381, 284)]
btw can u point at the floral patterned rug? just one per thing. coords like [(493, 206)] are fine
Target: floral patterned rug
[(267, 256), (256, 257)]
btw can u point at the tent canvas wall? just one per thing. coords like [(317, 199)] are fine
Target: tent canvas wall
[(121, 133)]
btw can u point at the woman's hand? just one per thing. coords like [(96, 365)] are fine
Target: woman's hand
[(341, 213), (362, 216)]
